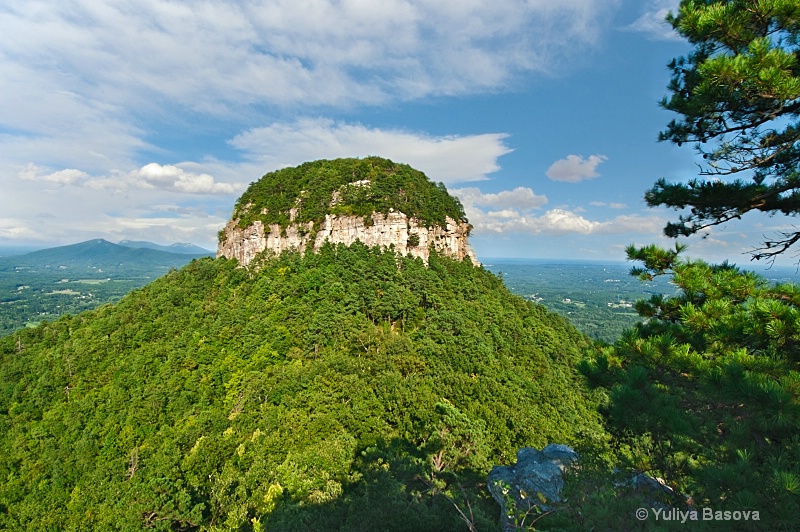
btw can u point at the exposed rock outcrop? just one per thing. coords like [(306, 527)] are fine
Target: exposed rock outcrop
[(406, 235), (342, 201), (536, 479)]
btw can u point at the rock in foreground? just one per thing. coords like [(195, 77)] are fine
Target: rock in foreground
[(535, 480)]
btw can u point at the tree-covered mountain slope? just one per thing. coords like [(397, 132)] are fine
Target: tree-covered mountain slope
[(349, 389), (704, 395)]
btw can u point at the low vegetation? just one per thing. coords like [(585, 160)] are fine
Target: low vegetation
[(597, 298)]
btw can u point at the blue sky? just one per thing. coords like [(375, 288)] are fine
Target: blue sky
[(146, 119)]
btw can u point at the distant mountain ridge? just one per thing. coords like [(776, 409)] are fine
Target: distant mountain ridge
[(98, 254), (47, 283), (183, 248)]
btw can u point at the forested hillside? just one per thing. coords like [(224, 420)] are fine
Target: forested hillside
[(350, 389), (706, 393)]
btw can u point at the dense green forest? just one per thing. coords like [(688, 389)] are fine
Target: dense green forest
[(340, 187), (354, 389), (346, 390), (705, 395)]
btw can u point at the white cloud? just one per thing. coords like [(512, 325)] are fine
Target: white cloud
[(167, 229), (449, 159), (69, 176), (505, 213), (173, 178), (575, 168), (563, 222), (522, 198), (65, 206), (609, 205), (211, 56), (516, 211), (16, 229), (653, 21), (74, 214), (167, 177)]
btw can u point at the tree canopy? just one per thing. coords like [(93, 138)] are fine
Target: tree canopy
[(705, 395), (349, 389), (738, 94), (356, 187)]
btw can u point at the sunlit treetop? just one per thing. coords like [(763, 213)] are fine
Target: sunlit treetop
[(346, 187)]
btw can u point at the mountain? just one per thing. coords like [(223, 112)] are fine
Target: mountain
[(181, 247), (372, 200), (343, 388), (95, 256), (44, 284)]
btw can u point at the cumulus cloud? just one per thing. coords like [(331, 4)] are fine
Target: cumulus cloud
[(521, 198), (653, 21), (161, 203), (449, 159), (113, 207), (173, 178), (556, 222), (164, 177), (575, 168), (519, 211), (15, 229), (69, 176)]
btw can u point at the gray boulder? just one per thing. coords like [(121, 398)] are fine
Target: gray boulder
[(532, 485)]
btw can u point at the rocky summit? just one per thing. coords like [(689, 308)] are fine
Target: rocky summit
[(372, 200)]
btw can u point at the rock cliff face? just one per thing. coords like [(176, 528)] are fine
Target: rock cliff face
[(372, 200), (407, 235)]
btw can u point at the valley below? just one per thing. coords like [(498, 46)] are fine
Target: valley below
[(42, 285)]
